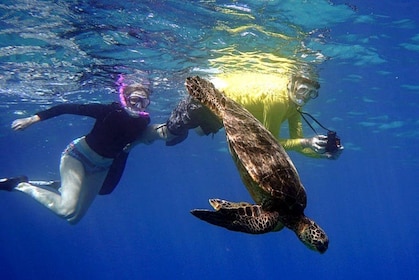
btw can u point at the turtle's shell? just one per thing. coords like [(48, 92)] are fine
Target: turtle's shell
[(265, 167)]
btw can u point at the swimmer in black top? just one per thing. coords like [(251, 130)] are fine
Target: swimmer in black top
[(188, 114), (86, 161)]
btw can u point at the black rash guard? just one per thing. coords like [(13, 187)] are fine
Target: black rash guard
[(114, 127)]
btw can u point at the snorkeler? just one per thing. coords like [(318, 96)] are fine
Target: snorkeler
[(189, 114), (272, 99), (86, 161)]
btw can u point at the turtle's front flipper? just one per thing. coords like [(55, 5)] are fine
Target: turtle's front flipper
[(242, 216)]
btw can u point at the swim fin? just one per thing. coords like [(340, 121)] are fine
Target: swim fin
[(8, 184)]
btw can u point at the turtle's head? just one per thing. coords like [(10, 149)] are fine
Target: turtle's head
[(312, 235)]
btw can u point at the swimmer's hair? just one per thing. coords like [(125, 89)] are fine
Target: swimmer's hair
[(127, 90), (304, 80)]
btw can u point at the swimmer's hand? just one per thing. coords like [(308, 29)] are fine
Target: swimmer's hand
[(318, 144), (21, 124)]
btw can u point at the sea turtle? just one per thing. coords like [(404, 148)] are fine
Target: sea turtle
[(265, 169)]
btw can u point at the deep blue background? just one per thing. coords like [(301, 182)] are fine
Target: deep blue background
[(366, 201)]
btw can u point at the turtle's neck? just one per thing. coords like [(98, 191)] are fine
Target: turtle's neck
[(293, 222)]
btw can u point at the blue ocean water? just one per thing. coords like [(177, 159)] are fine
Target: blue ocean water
[(366, 55)]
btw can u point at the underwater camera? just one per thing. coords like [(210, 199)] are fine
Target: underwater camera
[(333, 142)]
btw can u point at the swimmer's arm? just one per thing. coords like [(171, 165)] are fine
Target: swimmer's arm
[(152, 133), (21, 124), (155, 132), (296, 134), (90, 110), (297, 142)]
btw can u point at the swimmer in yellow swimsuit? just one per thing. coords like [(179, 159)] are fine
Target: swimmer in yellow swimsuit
[(271, 98)]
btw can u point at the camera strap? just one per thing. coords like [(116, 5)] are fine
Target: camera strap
[(303, 114)]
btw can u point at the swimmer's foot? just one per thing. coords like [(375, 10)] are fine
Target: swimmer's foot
[(51, 184), (8, 184)]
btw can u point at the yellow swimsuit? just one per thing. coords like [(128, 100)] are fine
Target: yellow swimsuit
[(266, 97)]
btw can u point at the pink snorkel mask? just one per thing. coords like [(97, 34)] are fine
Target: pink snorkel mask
[(134, 98)]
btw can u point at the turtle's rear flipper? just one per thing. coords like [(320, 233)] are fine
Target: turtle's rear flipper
[(242, 216)]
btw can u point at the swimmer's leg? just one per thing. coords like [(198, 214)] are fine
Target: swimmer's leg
[(64, 203), (92, 184), (70, 201), (46, 184)]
